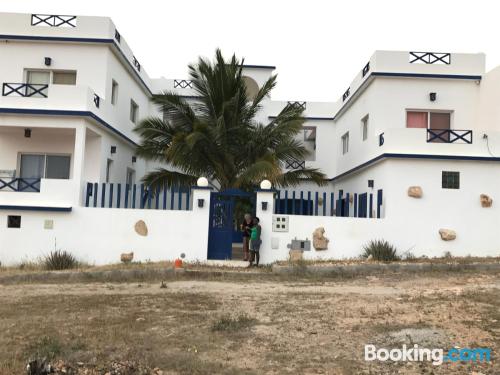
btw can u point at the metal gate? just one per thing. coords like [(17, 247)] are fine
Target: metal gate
[(223, 229)]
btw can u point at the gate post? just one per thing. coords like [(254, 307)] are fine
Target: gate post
[(200, 218), (264, 211)]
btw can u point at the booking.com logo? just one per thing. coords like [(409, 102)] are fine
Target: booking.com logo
[(436, 356)]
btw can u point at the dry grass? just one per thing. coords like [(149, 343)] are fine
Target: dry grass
[(252, 327)]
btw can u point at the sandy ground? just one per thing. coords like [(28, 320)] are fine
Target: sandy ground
[(250, 327)]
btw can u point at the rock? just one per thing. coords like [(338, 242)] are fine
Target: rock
[(447, 234), (140, 319), (486, 201), (320, 242), (370, 257), (295, 255), (141, 228), (415, 192), (127, 257)]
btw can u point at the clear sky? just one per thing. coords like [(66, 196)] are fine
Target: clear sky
[(318, 46)]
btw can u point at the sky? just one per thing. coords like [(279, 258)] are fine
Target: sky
[(318, 46)]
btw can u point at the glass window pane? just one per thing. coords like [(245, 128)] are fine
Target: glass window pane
[(39, 78), (58, 167), (64, 78), (416, 119)]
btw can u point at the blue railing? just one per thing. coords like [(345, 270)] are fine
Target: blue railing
[(327, 204), (20, 184), (138, 196), (449, 136)]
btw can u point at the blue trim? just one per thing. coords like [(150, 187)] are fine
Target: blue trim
[(56, 112), (425, 75), (258, 66), (312, 118), (36, 208), (80, 40), (414, 156)]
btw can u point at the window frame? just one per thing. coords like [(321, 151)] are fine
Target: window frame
[(428, 111), (45, 161), (114, 92), (345, 143), (134, 111), (109, 164), (450, 180), (364, 127)]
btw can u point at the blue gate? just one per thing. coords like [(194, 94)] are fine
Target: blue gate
[(220, 231), (223, 228)]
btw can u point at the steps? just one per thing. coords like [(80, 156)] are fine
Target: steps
[(237, 251)]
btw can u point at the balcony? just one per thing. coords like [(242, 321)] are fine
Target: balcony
[(26, 90), (449, 136)]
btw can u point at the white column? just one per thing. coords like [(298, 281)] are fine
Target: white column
[(78, 162), (264, 211), (200, 222)]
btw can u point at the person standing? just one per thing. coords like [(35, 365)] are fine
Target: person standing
[(255, 242), (246, 228)]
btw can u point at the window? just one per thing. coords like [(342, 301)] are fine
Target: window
[(13, 221), (134, 111), (345, 143), (431, 120), (450, 180), (114, 92), (45, 166), (108, 169), (310, 142), (130, 178), (64, 78), (364, 128)]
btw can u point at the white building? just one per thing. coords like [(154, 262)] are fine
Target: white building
[(72, 91)]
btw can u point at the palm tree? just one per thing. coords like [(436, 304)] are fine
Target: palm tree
[(217, 135)]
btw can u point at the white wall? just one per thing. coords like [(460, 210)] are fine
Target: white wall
[(99, 236)]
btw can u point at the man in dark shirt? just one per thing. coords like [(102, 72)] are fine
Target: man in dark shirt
[(246, 228)]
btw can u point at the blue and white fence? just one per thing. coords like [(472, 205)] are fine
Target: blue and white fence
[(312, 203), (136, 196)]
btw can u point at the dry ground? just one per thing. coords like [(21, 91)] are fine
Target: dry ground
[(249, 326)]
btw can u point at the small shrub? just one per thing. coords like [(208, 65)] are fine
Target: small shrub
[(44, 347), (447, 255), (59, 260), (408, 256), (231, 324), (380, 250)]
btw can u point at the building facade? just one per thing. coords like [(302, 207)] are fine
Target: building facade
[(73, 90)]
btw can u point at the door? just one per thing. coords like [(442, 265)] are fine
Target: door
[(440, 124), (220, 231), (32, 168)]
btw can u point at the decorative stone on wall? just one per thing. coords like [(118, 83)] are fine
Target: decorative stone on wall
[(141, 228), (486, 200), (320, 242), (447, 234), (415, 192), (127, 257)]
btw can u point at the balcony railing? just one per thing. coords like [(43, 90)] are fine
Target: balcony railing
[(299, 105), (53, 20), (366, 69), (346, 94), (97, 100), (430, 58), (449, 136), (183, 83), (295, 164), (26, 90), (20, 184)]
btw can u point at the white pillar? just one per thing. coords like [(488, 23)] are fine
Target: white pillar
[(78, 162), (200, 222), (264, 211)]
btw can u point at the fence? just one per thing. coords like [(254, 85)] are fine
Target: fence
[(327, 204), (136, 196)]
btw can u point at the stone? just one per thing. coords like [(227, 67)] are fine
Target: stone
[(415, 192), (141, 228), (320, 242), (295, 255), (447, 234), (486, 201), (127, 257)]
